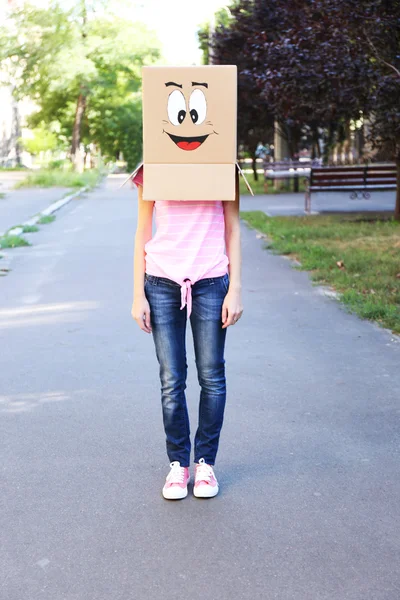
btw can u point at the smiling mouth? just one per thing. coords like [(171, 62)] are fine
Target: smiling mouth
[(188, 143)]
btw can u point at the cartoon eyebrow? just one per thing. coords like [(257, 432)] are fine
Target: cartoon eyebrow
[(197, 83), (173, 83)]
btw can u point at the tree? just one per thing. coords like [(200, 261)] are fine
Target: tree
[(379, 26), (322, 64), (65, 59), (302, 69), (255, 120)]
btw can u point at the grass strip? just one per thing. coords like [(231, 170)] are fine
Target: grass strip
[(60, 178), (12, 241), (46, 219), (285, 186), (357, 255)]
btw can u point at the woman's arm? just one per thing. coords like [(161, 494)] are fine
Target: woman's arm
[(232, 308), (140, 306)]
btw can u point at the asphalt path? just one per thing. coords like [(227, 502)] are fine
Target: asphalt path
[(17, 206), (288, 204), (309, 455)]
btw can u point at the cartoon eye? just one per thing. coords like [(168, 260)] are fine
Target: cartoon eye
[(176, 107), (197, 106)]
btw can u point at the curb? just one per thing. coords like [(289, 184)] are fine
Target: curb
[(53, 207)]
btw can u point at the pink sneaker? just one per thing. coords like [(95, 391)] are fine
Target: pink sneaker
[(205, 482), (175, 487)]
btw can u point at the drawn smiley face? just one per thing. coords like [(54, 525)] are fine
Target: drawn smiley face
[(190, 113)]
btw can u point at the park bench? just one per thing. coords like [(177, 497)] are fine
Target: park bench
[(284, 170), (357, 181)]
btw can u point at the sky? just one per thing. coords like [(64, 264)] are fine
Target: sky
[(176, 23)]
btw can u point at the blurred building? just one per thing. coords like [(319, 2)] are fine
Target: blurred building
[(12, 113)]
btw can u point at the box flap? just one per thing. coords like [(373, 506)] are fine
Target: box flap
[(131, 176), (245, 180), (189, 182)]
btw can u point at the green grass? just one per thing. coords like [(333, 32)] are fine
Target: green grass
[(60, 178), (46, 219), (12, 241), (357, 255), (30, 229), (2, 195), (13, 169), (258, 186)]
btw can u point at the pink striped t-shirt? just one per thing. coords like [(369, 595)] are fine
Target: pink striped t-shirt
[(189, 243)]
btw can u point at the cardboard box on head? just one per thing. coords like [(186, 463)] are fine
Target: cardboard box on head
[(189, 133)]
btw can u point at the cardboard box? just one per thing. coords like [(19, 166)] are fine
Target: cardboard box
[(189, 133)]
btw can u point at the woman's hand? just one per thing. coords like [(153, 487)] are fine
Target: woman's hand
[(141, 313), (232, 308)]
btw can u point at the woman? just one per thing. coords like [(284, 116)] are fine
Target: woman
[(190, 269)]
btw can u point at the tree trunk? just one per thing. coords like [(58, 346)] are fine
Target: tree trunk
[(76, 132), (329, 145), (347, 143), (254, 165), (16, 130), (397, 207), (316, 148), (319, 151)]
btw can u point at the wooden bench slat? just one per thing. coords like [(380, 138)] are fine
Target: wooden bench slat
[(354, 181), (363, 188), (387, 178), (359, 168), (336, 176)]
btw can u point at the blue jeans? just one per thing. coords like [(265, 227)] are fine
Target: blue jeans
[(168, 323)]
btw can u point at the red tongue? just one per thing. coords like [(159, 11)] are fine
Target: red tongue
[(188, 145)]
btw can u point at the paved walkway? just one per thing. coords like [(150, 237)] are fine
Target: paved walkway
[(19, 205), (308, 461), (293, 204)]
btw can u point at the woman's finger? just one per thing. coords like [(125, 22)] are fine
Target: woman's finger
[(224, 313), (147, 320), (228, 321), (142, 323)]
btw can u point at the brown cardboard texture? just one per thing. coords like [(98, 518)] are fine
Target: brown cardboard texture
[(189, 132)]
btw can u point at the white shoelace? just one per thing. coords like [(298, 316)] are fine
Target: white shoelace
[(204, 472), (176, 474)]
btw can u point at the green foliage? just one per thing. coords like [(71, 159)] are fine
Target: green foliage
[(42, 140), (221, 18), (359, 256), (116, 126)]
